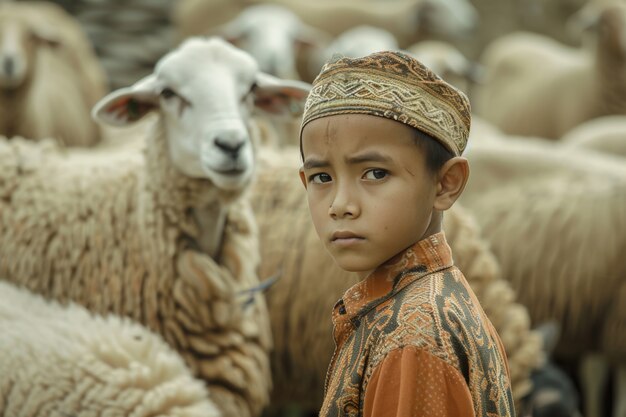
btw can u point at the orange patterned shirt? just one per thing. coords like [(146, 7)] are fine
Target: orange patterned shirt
[(412, 340)]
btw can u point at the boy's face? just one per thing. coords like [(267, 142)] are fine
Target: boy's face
[(369, 192)]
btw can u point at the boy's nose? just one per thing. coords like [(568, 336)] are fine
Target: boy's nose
[(343, 206)]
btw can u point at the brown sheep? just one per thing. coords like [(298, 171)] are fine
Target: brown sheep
[(49, 75), (555, 218), (535, 86)]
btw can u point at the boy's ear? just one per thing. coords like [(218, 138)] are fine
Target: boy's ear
[(451, 182), (302, 177)]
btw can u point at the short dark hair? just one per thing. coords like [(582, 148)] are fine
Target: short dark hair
[(435, 153)]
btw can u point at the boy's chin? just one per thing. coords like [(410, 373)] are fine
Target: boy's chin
[(356, 261), (354, 267)]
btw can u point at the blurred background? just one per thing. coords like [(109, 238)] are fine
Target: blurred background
[(547, 83)]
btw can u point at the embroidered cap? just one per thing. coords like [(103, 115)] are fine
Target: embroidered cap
[(396, 86)]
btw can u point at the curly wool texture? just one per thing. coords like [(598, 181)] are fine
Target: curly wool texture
[(310, 283), (115, 232), (62, 360), (64, 80)]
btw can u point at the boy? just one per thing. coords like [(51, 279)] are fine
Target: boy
[(381, 140)]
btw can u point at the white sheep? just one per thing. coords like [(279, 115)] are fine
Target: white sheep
[(273, 35), (556, 220), (355, 42), (49, 75), (194, 17), (166, 237), (605, 134), (310, 283), (447, 61), (536, 86), (407, 20), (64, 361)]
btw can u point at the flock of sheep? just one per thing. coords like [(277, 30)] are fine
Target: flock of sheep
[(156, 255)]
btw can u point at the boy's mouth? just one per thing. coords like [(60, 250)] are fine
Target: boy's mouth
[(345, 237)]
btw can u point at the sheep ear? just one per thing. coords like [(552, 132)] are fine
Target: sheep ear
[(129, 104), (279, 97)]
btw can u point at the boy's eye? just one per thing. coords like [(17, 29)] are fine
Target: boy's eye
[(375, 174), (320, 178)]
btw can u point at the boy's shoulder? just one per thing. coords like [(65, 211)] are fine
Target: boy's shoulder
[(436, 323)]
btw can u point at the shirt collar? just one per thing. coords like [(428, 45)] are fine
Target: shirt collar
[(429, 255)]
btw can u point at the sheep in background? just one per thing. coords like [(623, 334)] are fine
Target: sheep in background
[(194, 17), (448, 62), (272, 34), (483, 131), (355, 42), (63, 361), (577, 24), (407, 20), (49, 75), (535, 86), (498, 18), (359, 41), (310, 283), (165, 238), (605, 134), (556, 220)]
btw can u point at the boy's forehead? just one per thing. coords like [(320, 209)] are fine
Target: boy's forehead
[(354, 131), (355, 122)]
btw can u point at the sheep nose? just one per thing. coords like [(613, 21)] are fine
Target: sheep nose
[(230, 145), (8, 66)]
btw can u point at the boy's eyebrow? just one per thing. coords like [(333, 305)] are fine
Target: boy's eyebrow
[(371, 156), (311, 163)]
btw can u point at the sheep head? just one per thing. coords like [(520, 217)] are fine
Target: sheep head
[(205, 92), (20, 38), (273, 35)]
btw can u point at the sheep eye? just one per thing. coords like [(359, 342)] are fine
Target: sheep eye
[(167, 93)]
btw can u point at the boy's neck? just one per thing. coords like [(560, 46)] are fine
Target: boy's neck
[(434, 227)]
